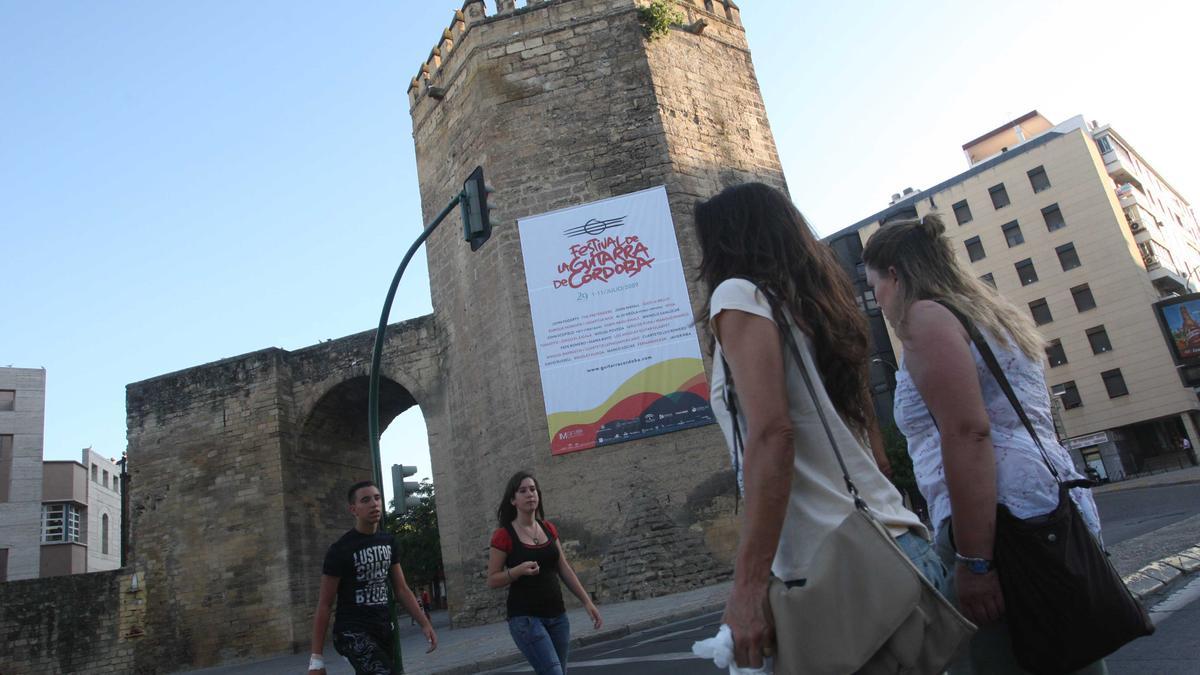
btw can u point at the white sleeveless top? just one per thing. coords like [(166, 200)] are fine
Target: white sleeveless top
[(819, 501), (1023, 483)]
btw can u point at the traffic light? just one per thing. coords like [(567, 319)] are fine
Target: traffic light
[(477, 221), (404, 490)]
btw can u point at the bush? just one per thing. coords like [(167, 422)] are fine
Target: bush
[(658, 17)]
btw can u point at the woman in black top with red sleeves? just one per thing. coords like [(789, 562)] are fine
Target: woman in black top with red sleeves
[(527, 557)]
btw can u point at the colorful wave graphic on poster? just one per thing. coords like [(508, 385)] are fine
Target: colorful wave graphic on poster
[(666, 396)]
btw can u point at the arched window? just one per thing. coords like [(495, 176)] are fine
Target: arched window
[(104, 534)]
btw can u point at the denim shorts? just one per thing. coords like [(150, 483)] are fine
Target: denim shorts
[(925, 558)]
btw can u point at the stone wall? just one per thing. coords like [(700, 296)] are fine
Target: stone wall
[(565, 102), (81, 623), (239, 469)]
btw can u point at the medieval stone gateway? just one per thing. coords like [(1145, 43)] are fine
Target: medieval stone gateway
[(563, 102)]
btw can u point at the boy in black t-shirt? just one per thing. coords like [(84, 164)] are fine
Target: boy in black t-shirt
[(357, 569)]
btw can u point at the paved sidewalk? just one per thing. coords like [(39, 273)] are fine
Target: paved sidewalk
[(479, 648), (1190, 474)]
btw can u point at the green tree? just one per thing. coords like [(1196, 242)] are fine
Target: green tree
[(896, 447), (416, 531)]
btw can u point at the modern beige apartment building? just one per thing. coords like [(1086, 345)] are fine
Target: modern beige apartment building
[(56, 517), (1073, 224)]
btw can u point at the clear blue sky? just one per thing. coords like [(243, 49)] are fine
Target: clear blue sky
[(183, 182)]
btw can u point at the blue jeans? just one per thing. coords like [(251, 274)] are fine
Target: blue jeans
[(543, 642), (925, 558)]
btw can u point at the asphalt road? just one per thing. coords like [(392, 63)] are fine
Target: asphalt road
[(1174, 648), (665, 649), (1125, 514)]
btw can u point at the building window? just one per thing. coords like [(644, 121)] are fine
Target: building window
[(1055, 353), (116, 487), (860, 271), (1025, 272), (8, 398), (3, 565), (1083, 298), (975, 249), (95, 474), (1114, 383), (988, 279), (999, 196), (1041, 312), (1068, 393), (866, 300), (105, 483), (1038, 179), (1103, 144), (1098, 338), (1053, 217), (6, 462), (1067, 257), (1012, 234), (962, 212), (60, 523), (104, 534)]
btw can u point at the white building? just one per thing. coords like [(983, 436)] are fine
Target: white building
[(57, 517), (103, 512)]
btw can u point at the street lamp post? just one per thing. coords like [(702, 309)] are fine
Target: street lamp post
[(477, 229)]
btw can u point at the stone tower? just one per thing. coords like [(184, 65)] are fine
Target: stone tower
[(565, 102)]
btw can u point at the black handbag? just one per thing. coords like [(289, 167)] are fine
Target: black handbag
[(1065, 604)]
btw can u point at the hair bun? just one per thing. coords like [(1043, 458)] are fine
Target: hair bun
[(933, 226)]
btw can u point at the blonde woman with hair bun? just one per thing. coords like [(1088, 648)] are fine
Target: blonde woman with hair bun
[(977, 453)]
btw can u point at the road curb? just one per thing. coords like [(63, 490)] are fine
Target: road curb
[(509, 658), (1160, 574)]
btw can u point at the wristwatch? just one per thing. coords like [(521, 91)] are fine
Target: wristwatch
[(975, 565)]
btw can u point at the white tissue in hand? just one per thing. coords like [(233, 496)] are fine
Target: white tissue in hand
[(719, 649)]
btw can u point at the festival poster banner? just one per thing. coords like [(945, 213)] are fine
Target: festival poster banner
[(616, 343)]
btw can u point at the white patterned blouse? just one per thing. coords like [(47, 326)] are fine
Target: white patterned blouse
[(1023, 483)]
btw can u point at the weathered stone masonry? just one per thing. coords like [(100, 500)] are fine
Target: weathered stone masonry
[(76, 623), (239, 471)]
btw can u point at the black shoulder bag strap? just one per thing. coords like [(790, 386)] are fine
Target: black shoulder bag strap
[(731, 398), (989, 358)]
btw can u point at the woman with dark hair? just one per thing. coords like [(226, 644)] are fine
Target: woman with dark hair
[(970, 449), (757, 247), (526, 556)]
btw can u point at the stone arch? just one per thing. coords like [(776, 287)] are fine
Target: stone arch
[(329, 452)]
